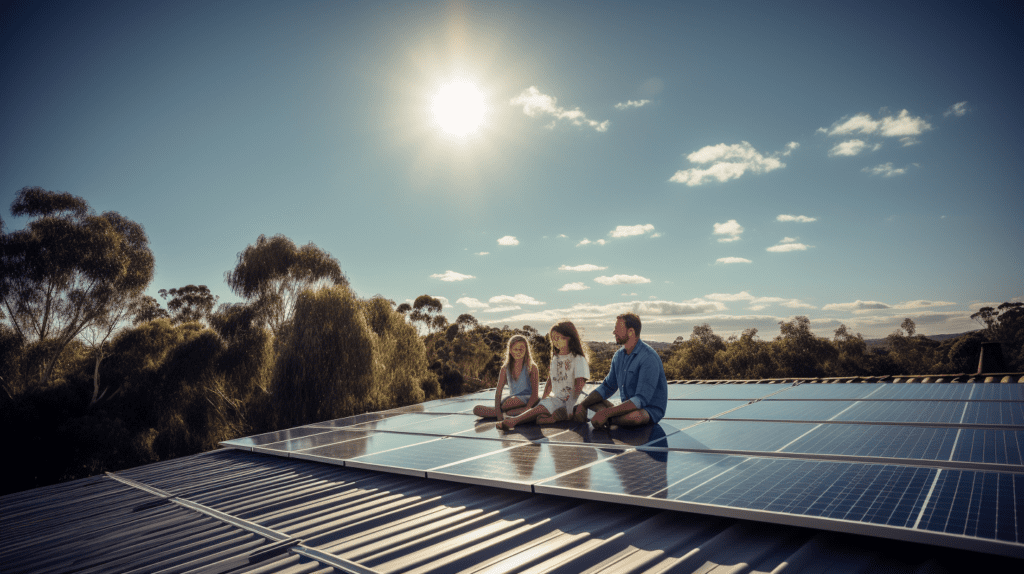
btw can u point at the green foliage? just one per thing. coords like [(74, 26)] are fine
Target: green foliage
[(189, 303), (325, 367), (273, 272), (400, 374), (64, 271)]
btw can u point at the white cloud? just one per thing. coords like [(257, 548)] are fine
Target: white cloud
[(562, 235), (741, 296), (484, 253), (857, 306), (728, 260), (588, 242), (730, 229), (798, 218), (631, 104), (576, 286), (729, 162), (903, 126), (472, 303), (787, 244), (958, 109), (537, 104), (885, 170), (922, 304), (508, 240), (851, 148), (519, 299), (860, 123), (603, 316), (622, 280), (631, 230), (584, 267), (758, 303), (451, 276)]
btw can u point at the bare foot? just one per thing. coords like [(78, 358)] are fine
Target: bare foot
[(505, 424)]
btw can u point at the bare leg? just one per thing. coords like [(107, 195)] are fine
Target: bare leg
[(506, 405), (485, 412), (510, 423), (636, 418), (559, 415)]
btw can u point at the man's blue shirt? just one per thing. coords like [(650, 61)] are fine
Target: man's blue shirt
[(639, 377)]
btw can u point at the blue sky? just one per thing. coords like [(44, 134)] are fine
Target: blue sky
[(730, 163)]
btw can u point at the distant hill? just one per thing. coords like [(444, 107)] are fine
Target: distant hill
[(881, 343), (599, 349)]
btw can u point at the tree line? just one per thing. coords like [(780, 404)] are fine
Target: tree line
[(97, 376)]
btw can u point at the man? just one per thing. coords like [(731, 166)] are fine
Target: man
[(639, 376)]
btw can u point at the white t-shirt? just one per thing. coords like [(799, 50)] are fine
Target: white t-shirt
[(564, 371)]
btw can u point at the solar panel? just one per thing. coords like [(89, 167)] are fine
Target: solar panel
[(933, 463), (687, 409)]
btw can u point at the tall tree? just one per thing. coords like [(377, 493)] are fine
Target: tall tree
[(273, 272), (189, 303), (65, 270)]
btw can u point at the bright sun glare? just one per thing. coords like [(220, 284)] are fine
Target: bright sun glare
[(459, 108)]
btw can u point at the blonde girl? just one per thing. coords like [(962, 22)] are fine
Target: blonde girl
[(569, 371), (522, 377)]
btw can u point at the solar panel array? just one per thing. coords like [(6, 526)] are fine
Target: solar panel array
[(934, 463)]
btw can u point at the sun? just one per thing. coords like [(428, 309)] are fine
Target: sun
[(459, 108)]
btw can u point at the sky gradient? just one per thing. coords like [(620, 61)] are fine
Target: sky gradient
[(729, 163)]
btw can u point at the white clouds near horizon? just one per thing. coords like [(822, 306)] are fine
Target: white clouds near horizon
[(730, 229), (537, 104), (729, 162), (574, 286), (584, 267), (519, 299), (622, 280), (731, 260), (588, 242), (508, 240), (758, 303), (472, 302), (451, 276)]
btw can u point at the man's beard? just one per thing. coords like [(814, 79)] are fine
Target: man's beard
[(620, 341)]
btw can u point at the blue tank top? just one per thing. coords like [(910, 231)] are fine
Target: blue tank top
[(519, 387)]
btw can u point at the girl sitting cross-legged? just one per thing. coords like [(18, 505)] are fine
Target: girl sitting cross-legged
[(522, 378), (569, 372)]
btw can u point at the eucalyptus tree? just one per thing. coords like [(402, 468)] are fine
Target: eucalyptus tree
[(65, 270), (189, 303), (273, 273)]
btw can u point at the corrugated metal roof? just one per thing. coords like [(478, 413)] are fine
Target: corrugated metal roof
[(394, 523)]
